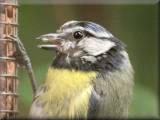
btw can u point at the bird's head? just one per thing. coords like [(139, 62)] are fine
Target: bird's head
[(84, 45)]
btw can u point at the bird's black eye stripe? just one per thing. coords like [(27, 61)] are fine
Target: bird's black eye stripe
[(78, 35)]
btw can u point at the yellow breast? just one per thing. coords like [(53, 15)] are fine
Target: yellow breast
[(68, 93)]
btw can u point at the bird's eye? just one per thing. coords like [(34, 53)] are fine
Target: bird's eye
[(78, 35)]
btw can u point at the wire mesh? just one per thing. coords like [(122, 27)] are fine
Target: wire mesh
[(8, 66)]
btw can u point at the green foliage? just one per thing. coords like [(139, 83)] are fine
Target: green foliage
[(144, 103)]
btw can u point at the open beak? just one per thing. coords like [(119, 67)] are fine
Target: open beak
[(53, 39)]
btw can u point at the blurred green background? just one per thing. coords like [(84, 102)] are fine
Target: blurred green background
[(136, 25)]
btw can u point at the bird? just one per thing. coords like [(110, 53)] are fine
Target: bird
[(91, 75)]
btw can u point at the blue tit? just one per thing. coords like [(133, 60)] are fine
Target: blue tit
[(90, 77)]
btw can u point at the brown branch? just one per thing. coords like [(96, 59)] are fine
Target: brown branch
[(24, 61), (8, 66)]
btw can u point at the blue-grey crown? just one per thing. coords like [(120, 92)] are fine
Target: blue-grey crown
[(99, 31)]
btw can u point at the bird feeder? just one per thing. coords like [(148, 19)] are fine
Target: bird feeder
[(8, 66)]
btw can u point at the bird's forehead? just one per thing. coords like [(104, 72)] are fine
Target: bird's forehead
[(68, 24)]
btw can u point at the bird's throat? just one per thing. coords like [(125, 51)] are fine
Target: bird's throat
[(69, 76), (70, 87)]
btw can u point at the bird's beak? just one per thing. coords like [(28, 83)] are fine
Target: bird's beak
[(53, 39)]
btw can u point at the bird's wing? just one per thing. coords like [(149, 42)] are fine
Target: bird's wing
[(94, 104)]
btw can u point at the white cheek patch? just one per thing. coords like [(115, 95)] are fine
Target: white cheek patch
[(96, 46)]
